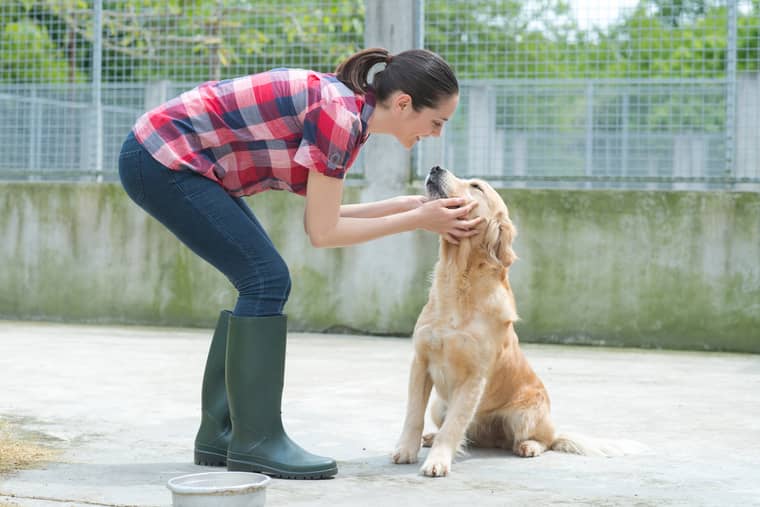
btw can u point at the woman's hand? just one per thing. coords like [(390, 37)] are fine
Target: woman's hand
[(448, 217)]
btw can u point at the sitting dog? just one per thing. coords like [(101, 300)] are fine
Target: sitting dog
[(466, 347)]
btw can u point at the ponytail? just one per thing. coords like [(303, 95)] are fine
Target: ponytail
[(422, 74), (354, 71)]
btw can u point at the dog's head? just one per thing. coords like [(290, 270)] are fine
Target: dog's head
[(494, 239)]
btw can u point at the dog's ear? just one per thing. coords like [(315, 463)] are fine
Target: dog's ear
[(498, 239)]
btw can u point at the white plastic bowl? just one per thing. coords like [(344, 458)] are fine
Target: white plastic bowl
[(219, 489)]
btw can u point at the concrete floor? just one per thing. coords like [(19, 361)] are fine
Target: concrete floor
[(123, 404)]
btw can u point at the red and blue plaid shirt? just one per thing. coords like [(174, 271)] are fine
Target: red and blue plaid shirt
[(260, 132)]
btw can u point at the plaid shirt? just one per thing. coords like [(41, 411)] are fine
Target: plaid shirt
[(260, 132)]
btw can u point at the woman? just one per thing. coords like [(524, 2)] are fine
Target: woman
[(189, 161)]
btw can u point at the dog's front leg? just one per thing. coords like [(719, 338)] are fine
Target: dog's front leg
[(460, 412), (420, 385)]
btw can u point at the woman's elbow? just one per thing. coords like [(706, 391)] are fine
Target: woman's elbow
[(318, 240), (322, 235)]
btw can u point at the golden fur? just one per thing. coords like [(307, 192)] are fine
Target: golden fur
[(466, 347)]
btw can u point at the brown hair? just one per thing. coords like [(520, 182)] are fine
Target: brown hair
[(422, 74)]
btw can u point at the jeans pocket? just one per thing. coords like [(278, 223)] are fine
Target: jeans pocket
[(130, 173)]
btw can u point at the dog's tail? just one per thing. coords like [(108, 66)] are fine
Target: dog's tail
[(588, 446)]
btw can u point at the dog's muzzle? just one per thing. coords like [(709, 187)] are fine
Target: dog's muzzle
[(434, 183)]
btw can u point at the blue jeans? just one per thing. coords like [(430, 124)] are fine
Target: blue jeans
[(216, 226)]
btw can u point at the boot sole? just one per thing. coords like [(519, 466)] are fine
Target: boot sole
[(210, 459), (247, 466)]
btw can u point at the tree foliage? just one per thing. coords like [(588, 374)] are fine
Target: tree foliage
[(182, 40), (193, 40), (657, 39)]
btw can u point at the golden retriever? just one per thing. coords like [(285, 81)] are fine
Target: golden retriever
[(466, 347)]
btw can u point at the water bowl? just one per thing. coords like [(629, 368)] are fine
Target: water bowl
[(219, 489)]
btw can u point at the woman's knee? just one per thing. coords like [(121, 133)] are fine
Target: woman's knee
[(270, 279), (279, 277)]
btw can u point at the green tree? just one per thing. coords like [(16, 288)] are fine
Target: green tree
[(182, 40), (36, 47)]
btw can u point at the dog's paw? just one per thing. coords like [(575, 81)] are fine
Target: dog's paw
[(427, 440), (437, 464), (529, 449), (435, 469), (405, 455)]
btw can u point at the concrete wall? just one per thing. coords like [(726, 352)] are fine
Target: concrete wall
[(654, 269)]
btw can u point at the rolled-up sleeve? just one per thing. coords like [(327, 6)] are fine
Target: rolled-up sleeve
[(330, 135)]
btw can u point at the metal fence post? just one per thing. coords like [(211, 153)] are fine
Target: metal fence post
[(731, 85), (419, 43), (624, 134), (419, 23), (97, 83), (35, 146), (387, 162), (590, 128)]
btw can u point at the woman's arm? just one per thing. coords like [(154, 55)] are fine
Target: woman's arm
[(382, 208), (327, 228)]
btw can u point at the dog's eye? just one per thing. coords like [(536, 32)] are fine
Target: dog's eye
[(476, 186)]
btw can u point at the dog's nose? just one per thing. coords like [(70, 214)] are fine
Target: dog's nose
[(435, 169)]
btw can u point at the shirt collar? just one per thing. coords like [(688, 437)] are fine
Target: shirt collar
[(367, 108)]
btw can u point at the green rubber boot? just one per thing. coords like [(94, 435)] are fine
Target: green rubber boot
[(214, 434), (255, 374)]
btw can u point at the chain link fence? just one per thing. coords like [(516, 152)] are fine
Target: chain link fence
[(624, 94), (76, 74), (629, 93)]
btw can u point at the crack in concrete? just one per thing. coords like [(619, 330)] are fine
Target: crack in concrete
[(12, 496)]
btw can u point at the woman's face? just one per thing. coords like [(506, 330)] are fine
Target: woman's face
[(411, 126)]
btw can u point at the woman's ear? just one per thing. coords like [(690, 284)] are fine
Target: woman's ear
[(498, 239), (403, 101)]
